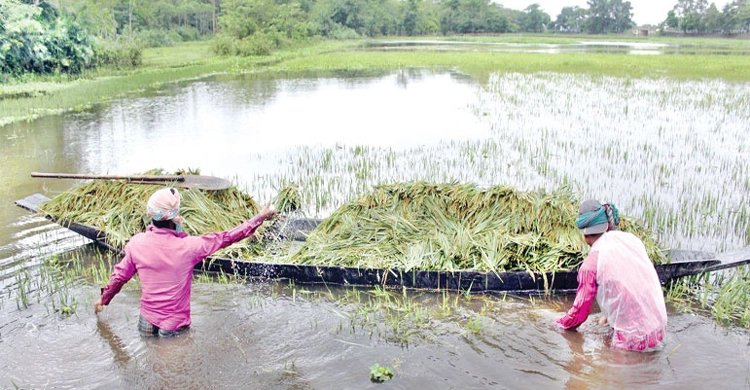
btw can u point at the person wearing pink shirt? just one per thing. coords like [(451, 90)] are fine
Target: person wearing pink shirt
[(618, 274), (163, 257)]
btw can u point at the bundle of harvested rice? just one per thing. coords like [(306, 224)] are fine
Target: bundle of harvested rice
[(456, 227), (119, 209), (288, 200)]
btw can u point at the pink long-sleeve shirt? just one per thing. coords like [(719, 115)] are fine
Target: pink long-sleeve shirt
[(164, 260), (585, 294)]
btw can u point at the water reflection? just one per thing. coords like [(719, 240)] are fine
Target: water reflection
[(119, 349)]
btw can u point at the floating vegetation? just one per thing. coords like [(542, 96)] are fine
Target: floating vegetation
[(380, 374), (455, 227), (119, 209)]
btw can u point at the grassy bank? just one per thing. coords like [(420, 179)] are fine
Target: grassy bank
[(36, 97)]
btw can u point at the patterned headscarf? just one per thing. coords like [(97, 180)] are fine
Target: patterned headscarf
[(596, 218)]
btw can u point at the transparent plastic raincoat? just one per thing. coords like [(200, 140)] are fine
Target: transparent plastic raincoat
[(627, 290)]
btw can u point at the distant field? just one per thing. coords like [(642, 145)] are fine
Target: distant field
[(38, 96)]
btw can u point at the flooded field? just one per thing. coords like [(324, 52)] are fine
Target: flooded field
[(581, 46), (671, 153)]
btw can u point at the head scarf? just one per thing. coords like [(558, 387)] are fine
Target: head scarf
[(164, 204), (605, 214)]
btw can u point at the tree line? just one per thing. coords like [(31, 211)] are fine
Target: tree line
[(697, 16), (68, 36)]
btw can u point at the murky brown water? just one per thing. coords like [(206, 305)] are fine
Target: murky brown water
[(276, 335)]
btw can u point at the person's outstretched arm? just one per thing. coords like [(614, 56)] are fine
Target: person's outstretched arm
[(124, 271), (209, 243), (585, 295)]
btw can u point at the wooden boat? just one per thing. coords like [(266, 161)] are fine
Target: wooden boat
[(684, 263)]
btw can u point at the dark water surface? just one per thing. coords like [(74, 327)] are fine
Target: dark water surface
[(344, 135)]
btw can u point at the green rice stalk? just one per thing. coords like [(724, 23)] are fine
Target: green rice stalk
[(453, 226), (288, 200), (119, 209)]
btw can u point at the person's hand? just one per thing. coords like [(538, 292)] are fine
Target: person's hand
[(98, 307), (603, 321), (268, 212)]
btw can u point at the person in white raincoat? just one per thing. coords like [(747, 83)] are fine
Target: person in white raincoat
[(619, 275)]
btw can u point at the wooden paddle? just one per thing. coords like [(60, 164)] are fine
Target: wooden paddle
[(210, 183)]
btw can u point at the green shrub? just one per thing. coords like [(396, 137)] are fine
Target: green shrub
[(34, 40), (256, 45), (224, 45), (157, 38), (341, 32), (119, 54)]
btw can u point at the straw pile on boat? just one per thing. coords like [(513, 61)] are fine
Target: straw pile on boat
[(119, 209), (456, 227), (416, 225)]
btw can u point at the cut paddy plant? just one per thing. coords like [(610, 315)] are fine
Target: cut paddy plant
[(414, 225), (288, 200), (119, 209), (453, 227)]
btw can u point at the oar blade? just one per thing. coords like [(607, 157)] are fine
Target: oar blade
[(209, 183)]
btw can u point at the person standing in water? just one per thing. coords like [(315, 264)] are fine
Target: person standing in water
[(164, 257), (619, 275)]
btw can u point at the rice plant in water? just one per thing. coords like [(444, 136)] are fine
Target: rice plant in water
[(725, 296)]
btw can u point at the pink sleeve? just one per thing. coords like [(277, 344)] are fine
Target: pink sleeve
[(209, 243), (585, 294), (124, 270)]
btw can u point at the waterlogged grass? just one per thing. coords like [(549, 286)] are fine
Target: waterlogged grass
[(52, 284), (481, 65), (670, 154), (725, 296)]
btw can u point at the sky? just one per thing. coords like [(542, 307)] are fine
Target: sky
[(644, 11)]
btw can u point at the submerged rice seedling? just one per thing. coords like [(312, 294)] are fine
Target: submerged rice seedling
[(421, 225), (725, 296)]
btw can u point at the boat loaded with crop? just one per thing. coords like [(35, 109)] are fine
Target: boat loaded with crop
[(417, 235)]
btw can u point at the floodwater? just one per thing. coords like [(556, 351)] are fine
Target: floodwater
[(581, 47), (666, 151)]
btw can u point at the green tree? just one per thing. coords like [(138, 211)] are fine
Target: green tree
[(411, 17), (534, 19), (672, 20), (690, 14), (621, 13), (473, 16), (713, 19), (599, 20), (609, 16), (571, 19)]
